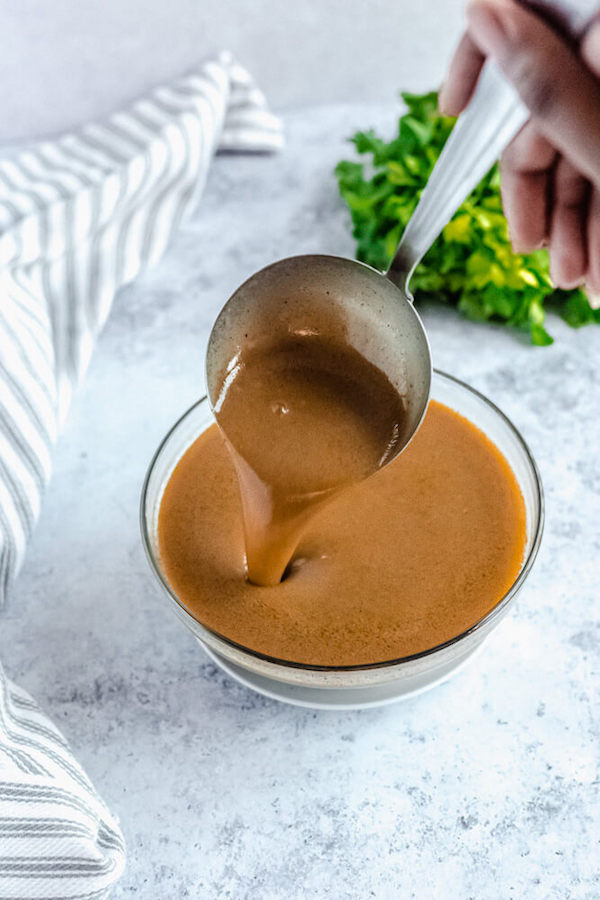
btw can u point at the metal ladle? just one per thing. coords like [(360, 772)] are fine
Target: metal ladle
[(377, 308), (316, 294)]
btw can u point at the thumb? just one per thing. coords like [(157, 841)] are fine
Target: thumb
[(554, 83)]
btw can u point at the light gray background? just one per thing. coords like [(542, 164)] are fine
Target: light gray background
[(64, 61), (486, 788)]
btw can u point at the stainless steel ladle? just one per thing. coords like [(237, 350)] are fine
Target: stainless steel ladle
[(314, 294), (317, 292)]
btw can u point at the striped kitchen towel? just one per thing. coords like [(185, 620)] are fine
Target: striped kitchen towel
[(79, 217)]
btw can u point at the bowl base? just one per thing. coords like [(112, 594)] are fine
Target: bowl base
[(336, 698)]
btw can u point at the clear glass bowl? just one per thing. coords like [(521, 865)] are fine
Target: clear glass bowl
[(414, 672)]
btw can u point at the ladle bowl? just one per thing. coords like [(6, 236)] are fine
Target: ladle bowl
[(318, 294), (327, 296)]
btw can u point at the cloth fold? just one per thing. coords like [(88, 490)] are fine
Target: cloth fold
[(79, 217)]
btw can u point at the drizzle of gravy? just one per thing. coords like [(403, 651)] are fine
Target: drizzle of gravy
[(303, 419), (391, 566)]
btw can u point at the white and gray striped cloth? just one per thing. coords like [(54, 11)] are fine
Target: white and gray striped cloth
[(79, 217)]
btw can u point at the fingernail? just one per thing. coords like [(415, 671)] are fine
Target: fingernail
[(442, 99), (518, 246), (593, 295), (486, 29), (590, 45), (564, 283)]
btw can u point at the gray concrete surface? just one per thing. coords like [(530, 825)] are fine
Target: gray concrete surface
[(485, 788)]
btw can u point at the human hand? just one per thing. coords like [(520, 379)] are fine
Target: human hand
[(551, 171)]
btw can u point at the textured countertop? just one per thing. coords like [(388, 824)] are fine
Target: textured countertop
[(484, 788)]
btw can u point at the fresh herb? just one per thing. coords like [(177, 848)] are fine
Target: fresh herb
[(471, 264)]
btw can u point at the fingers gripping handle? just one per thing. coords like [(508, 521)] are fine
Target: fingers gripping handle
[(482, 132)]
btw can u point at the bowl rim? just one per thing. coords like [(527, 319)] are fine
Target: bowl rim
[(495, 613)]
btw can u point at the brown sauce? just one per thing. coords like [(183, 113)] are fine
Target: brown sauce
[(303, 419), (391, 566)]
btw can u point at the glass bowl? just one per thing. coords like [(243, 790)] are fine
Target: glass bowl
[(412, 673)]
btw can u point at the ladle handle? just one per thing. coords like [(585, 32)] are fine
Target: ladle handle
[(482, 131)]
